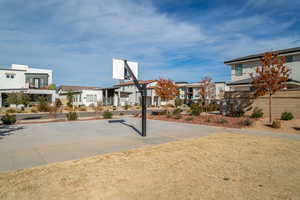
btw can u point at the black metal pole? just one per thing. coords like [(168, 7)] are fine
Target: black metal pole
[(143, 90), (144, 110)]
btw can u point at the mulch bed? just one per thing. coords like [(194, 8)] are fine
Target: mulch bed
[(214, 120)]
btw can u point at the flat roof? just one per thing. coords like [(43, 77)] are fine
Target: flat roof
[(255, 56)]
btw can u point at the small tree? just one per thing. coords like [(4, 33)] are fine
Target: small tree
[(206, 91), (56, 107), (70, 98), (18, 98), (270, 77), (166, 89)]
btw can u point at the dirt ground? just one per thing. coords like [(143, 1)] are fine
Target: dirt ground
[(292, 126), (225, 166)]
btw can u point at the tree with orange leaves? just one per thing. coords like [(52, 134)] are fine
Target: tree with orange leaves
[(270, 77), (166, 89)]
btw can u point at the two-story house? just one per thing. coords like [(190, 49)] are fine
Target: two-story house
[(242, 67), (22, 78)]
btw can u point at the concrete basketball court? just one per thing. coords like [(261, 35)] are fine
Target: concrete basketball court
[(24, 146)]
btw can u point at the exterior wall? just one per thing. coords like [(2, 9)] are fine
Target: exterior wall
[(83, 97), (91, 97), (12, 83), (220, 88), (284, 101), (250, 67)]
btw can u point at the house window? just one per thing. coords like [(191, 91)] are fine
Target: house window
[(289, 59), (239, 70), (10, 76)]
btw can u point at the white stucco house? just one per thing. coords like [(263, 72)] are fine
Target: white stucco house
[(242, 67), (82, 95), (22, 78)]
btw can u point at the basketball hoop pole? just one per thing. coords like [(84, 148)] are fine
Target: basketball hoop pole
[(143, 90)]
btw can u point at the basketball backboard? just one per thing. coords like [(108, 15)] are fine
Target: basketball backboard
[(120, 72)]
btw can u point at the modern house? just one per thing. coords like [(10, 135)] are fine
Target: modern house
[(242, 67), (82, 95), (22, 78), (191, 91), (128, 94)]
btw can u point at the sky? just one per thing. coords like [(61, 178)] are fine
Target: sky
[(183, 40)]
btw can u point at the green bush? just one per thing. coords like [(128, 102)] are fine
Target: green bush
[(257, 113), (8, 119), (82, 108), (177, 117), (178, 102), (11, 110), (72, 116), (177, 111), (126, 107), (107, 115), (33, 110), (213, 106), (276, 124), (287, 116), (222, 121), (189, 118), (43, 105), (168, 116), (208, 120), (170, 105), (246, 122), (195, 109)]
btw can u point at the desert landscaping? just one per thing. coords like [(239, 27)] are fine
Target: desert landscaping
[(225, 166)]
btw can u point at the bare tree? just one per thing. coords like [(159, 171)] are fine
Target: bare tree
[(206, 91), (270, 77)]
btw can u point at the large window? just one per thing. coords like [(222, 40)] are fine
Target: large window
[(239, 69), (289, 59)]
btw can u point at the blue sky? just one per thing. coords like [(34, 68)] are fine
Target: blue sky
[(179, 39)]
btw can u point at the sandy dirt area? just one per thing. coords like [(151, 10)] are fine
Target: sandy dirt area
[(292, 126), (224, 166)]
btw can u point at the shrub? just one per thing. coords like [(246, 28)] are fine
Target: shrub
[(121, 114), (276, 124), (11, 110), (214, 106), (114, 108), (177, 117), (138, 107), (170, 105), (34, 110), (177, 111), (195, 109), (8, 119), (287, 116), (178, 102), (72, 116), (82, 108), (257, 113), (168, 116), (107, 115), (222, 121), (237, 113), (43, 105), (189, 118), (126, 107), (246, 122), (208, 120)]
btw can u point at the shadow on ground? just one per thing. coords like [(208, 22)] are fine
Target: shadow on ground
[(121, 121), (6, 130)]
